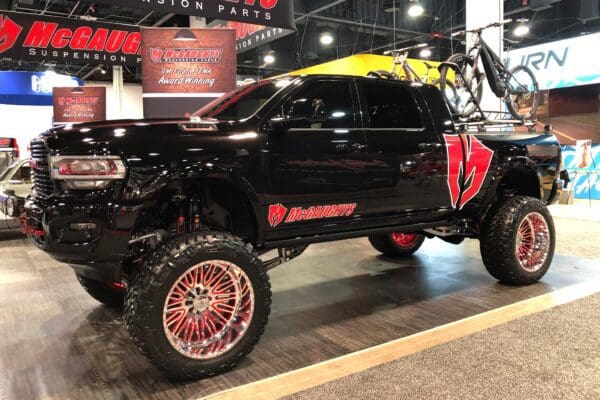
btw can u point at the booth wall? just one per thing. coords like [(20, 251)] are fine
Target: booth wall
[(133, 105)]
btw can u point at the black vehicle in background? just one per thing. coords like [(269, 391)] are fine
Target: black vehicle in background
[(170, 217)]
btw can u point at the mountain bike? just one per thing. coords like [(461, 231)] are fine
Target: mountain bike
[(402, 70), (517, 87)]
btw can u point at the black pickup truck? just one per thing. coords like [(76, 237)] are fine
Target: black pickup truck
[(170, 217)]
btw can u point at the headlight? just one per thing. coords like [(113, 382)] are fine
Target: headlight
[(87, 172)]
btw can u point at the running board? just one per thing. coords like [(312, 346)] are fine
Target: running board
[(351, 235)]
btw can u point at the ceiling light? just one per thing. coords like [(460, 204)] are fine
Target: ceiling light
[(425, 53), (269, 59), (326, 38), (416, 10), (521, 30)]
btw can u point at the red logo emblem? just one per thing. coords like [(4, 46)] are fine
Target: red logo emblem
[(277, 214), (9, 32), (473, 167), (156, 54)]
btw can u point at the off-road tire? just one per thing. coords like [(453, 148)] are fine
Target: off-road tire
[(498, 242), (386, 245), (103, 292), (149, 288)]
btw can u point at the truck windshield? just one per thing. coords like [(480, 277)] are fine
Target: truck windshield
[(242, 102)]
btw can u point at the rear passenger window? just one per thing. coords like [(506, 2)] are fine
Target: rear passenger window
[(391, 106)]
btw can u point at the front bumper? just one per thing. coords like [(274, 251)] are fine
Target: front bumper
[(97, 251)]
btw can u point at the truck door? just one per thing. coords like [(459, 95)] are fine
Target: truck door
[(407, 163), (316, 160)]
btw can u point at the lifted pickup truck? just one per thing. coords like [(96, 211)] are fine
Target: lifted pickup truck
[(171, 216)]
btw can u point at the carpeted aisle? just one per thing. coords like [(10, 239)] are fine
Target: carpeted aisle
[(551, 355)]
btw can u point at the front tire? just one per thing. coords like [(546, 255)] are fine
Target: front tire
[(518, 240), (111, 295), (397, 244), (199, 306), (523, 89)]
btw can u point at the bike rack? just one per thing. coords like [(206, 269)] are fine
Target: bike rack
[(483, 120)]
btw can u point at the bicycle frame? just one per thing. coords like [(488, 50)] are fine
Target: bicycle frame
[(401, 62), (492, 64)]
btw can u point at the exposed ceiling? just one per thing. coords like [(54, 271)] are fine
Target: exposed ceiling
[(358, 25)]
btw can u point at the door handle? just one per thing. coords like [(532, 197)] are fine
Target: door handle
[(350, 148), (429, 146), (359, 147)]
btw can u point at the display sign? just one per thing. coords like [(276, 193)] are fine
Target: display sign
[(32, 88), (278, 13), (185, 69), (563, 63), (250, 36), (39, 37), (586, 180), (80, 104)]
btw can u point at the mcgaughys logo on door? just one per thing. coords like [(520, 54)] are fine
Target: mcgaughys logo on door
[(28, 36), (167, 55), (278, 213)]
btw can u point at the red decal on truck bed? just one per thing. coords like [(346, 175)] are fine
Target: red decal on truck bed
[(474, 167)]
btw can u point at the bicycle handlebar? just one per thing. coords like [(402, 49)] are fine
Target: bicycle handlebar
[(478, 30), (404, 50)]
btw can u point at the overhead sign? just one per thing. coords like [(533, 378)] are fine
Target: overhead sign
[(185, 69), (31, 88), (250, 36), (277, 13), (80, 104), (39, 37), (563, 63)]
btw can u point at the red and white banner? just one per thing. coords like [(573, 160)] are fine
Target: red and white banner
[(39, 37), (184, 69), (79, 104)]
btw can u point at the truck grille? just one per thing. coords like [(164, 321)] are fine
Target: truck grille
[(43, 187)]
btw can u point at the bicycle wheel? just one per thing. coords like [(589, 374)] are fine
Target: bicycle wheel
[(449, 91), (464, 104), (382, 75), (523, 96)]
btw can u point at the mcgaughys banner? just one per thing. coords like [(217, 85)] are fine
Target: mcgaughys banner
[(250, 36), (39, 37), (278, 13), (79, 104), (184, 69)]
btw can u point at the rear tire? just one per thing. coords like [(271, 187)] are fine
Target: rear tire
[(396, 244), (463, 104), (107, 294), (517, 241), (199, 305)]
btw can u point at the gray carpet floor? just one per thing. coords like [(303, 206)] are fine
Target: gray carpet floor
[(551, 355)]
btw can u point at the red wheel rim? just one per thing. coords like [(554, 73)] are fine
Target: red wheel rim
[(405, 239), (533, 242), (208, 309)]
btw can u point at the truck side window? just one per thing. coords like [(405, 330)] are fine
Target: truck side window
[(391, 106), (23, 174), (322, 105)]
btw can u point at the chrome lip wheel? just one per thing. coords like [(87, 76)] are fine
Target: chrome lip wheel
[(208, 309), (533, 242)]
